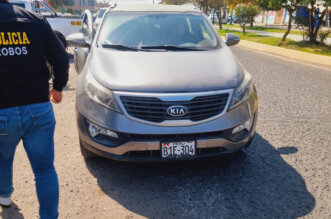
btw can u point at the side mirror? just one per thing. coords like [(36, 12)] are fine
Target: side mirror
[(76, 40), (231, 39)]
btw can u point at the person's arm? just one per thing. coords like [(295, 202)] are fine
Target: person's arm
[(58, 58)]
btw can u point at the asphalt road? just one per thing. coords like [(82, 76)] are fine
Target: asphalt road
[(284, 174)]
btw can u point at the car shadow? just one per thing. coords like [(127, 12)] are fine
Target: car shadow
[(257, 183), (12, 212)]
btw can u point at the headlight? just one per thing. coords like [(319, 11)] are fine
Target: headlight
[(100, 94), (242, 92)]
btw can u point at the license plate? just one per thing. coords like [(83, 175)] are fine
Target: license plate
[(178, 149)]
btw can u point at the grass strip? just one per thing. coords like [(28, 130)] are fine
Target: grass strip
[(266, 29), (319, 49)]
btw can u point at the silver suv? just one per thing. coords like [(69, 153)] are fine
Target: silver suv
[(158, 83)]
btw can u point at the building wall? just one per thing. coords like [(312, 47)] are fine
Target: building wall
[(279, 16), (274, 17), (83, 4), (102, 5)]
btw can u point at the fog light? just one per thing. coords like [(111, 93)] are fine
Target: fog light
[(247, 125), (95, 130)]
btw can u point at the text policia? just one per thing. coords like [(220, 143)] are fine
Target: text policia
[(13, 43)]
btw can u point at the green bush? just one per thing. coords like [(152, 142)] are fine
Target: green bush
[(245, 14), (69, 10)]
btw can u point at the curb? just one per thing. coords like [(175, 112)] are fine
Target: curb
[(288, 53)]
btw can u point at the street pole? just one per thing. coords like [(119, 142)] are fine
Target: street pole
[(328, 21), (266, 22)]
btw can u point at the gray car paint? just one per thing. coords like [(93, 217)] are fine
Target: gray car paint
[(165, 71)]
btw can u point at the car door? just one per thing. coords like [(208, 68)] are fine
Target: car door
[(81, 53)]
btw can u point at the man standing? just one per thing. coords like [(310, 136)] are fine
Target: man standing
[(27, 42)]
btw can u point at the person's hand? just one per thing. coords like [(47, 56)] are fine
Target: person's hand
[(55, 96)]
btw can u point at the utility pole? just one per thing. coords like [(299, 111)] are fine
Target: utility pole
[(328, 18), (266, 23)]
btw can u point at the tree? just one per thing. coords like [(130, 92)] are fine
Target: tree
[(291, 6), (315, 20), (302, 24), (245, 13), (269, 5), (69, 10), (218, 6), (203, 5), (254, 12), (232, 4)]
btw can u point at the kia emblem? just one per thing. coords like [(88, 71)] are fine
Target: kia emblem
[(177, 110)]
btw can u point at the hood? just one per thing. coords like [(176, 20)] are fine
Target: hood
[(165, 71)]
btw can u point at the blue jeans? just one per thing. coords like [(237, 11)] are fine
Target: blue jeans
[(35, 125)]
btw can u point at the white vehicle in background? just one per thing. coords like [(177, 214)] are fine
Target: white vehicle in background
[(213, 17), (62, 24)]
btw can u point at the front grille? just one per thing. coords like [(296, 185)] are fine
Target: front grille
[(155, 110), (172, 137)]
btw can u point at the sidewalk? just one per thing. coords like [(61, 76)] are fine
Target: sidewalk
[(272, 34), (288, 53), (284, 26)]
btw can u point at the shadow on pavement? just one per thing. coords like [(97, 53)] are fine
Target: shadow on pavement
[(257, 183), (12, 212)]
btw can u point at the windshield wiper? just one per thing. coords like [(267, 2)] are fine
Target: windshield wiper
[(119, 47), (172, 48), (164, 47)]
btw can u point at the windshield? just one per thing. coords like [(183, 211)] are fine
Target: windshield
[(101, 12), (157, 30)]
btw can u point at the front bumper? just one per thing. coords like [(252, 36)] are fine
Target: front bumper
[(138, 147), (142, 142)]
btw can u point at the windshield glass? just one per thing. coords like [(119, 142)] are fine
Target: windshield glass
[(143, 30), (101, 12)]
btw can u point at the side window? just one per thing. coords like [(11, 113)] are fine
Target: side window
[(39, 7), (87, 27)]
